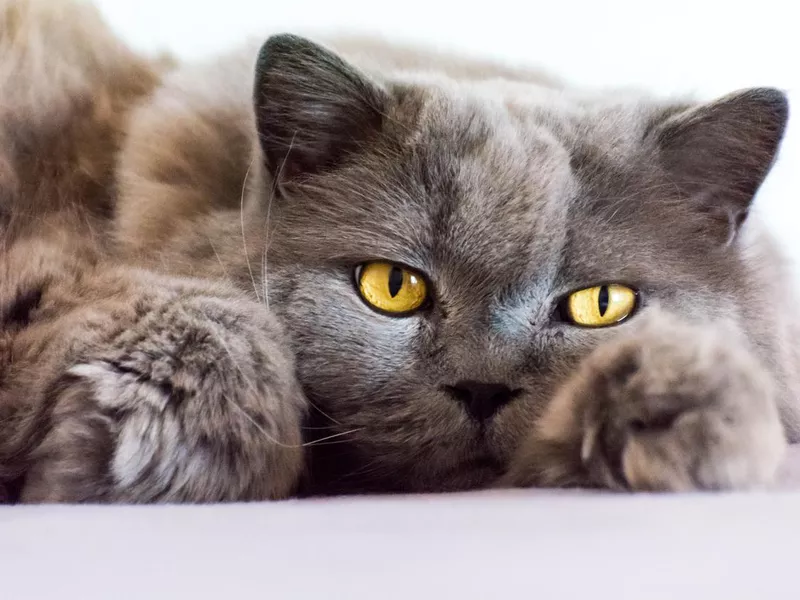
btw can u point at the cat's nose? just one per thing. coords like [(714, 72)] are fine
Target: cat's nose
[(482, 400)]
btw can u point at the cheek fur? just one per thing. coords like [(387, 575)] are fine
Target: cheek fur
[(344, 345)]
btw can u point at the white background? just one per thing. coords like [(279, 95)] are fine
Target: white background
[(706, 47)]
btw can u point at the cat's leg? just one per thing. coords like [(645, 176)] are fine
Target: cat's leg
[(190, 397), (670, 407)]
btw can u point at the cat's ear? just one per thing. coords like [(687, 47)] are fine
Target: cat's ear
[(312, 108), (718, 154)]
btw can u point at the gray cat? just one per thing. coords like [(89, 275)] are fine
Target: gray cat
[(352, 268)]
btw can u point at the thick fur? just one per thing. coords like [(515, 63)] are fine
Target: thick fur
[(181, 323)]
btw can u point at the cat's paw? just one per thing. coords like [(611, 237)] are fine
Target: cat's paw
[(195, 402), (670, 408)]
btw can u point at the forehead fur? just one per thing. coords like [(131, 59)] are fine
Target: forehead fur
[(479, 183)]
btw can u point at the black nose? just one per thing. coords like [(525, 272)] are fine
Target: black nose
[(482, 400)]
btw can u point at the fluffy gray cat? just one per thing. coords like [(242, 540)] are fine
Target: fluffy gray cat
[(350, 268)]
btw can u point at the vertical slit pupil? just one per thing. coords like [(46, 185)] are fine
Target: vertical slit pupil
[(395, 281), (602, 300)]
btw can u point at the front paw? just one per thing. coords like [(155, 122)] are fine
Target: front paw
[(672, 407), (195, 402)]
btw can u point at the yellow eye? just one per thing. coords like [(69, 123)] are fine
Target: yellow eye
[(391, 288), (601, 305)]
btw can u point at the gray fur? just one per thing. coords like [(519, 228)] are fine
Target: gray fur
[(507, 191)]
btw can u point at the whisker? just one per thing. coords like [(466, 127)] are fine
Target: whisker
[(273, 189), (244, 236), (219, 259), (252, 389), (335, 435), (261, 429), (322, 412), (333, 443), (370, 468)]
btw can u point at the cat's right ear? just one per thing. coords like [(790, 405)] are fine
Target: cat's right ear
[(312, 109)]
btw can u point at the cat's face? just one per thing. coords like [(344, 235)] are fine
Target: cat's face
[(502, 202)]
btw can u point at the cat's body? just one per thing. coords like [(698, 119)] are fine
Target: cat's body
[(209, 342)]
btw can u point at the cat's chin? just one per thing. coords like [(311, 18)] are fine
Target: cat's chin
[(474, 473), (342, 472)]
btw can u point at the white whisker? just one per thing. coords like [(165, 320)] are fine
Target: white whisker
[(219, 259), (323, 413), (330, 437), (263, 431), (244, 235), (268, 241)]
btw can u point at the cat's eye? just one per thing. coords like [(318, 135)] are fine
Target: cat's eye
[(390, 288), (601, 305)]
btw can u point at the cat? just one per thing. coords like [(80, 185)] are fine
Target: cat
[(338, 266)]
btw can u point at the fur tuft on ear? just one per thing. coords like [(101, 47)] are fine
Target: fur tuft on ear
[(719, 154), (312, 108)]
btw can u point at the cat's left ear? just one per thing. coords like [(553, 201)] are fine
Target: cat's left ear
[(718, 154), (313, 110)]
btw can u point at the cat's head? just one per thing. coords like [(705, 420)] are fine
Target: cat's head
[(444, 252)]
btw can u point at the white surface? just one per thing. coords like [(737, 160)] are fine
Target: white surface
[(506, 545), (488, 546)]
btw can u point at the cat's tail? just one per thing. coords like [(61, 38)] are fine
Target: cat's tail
[(66, 85)]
